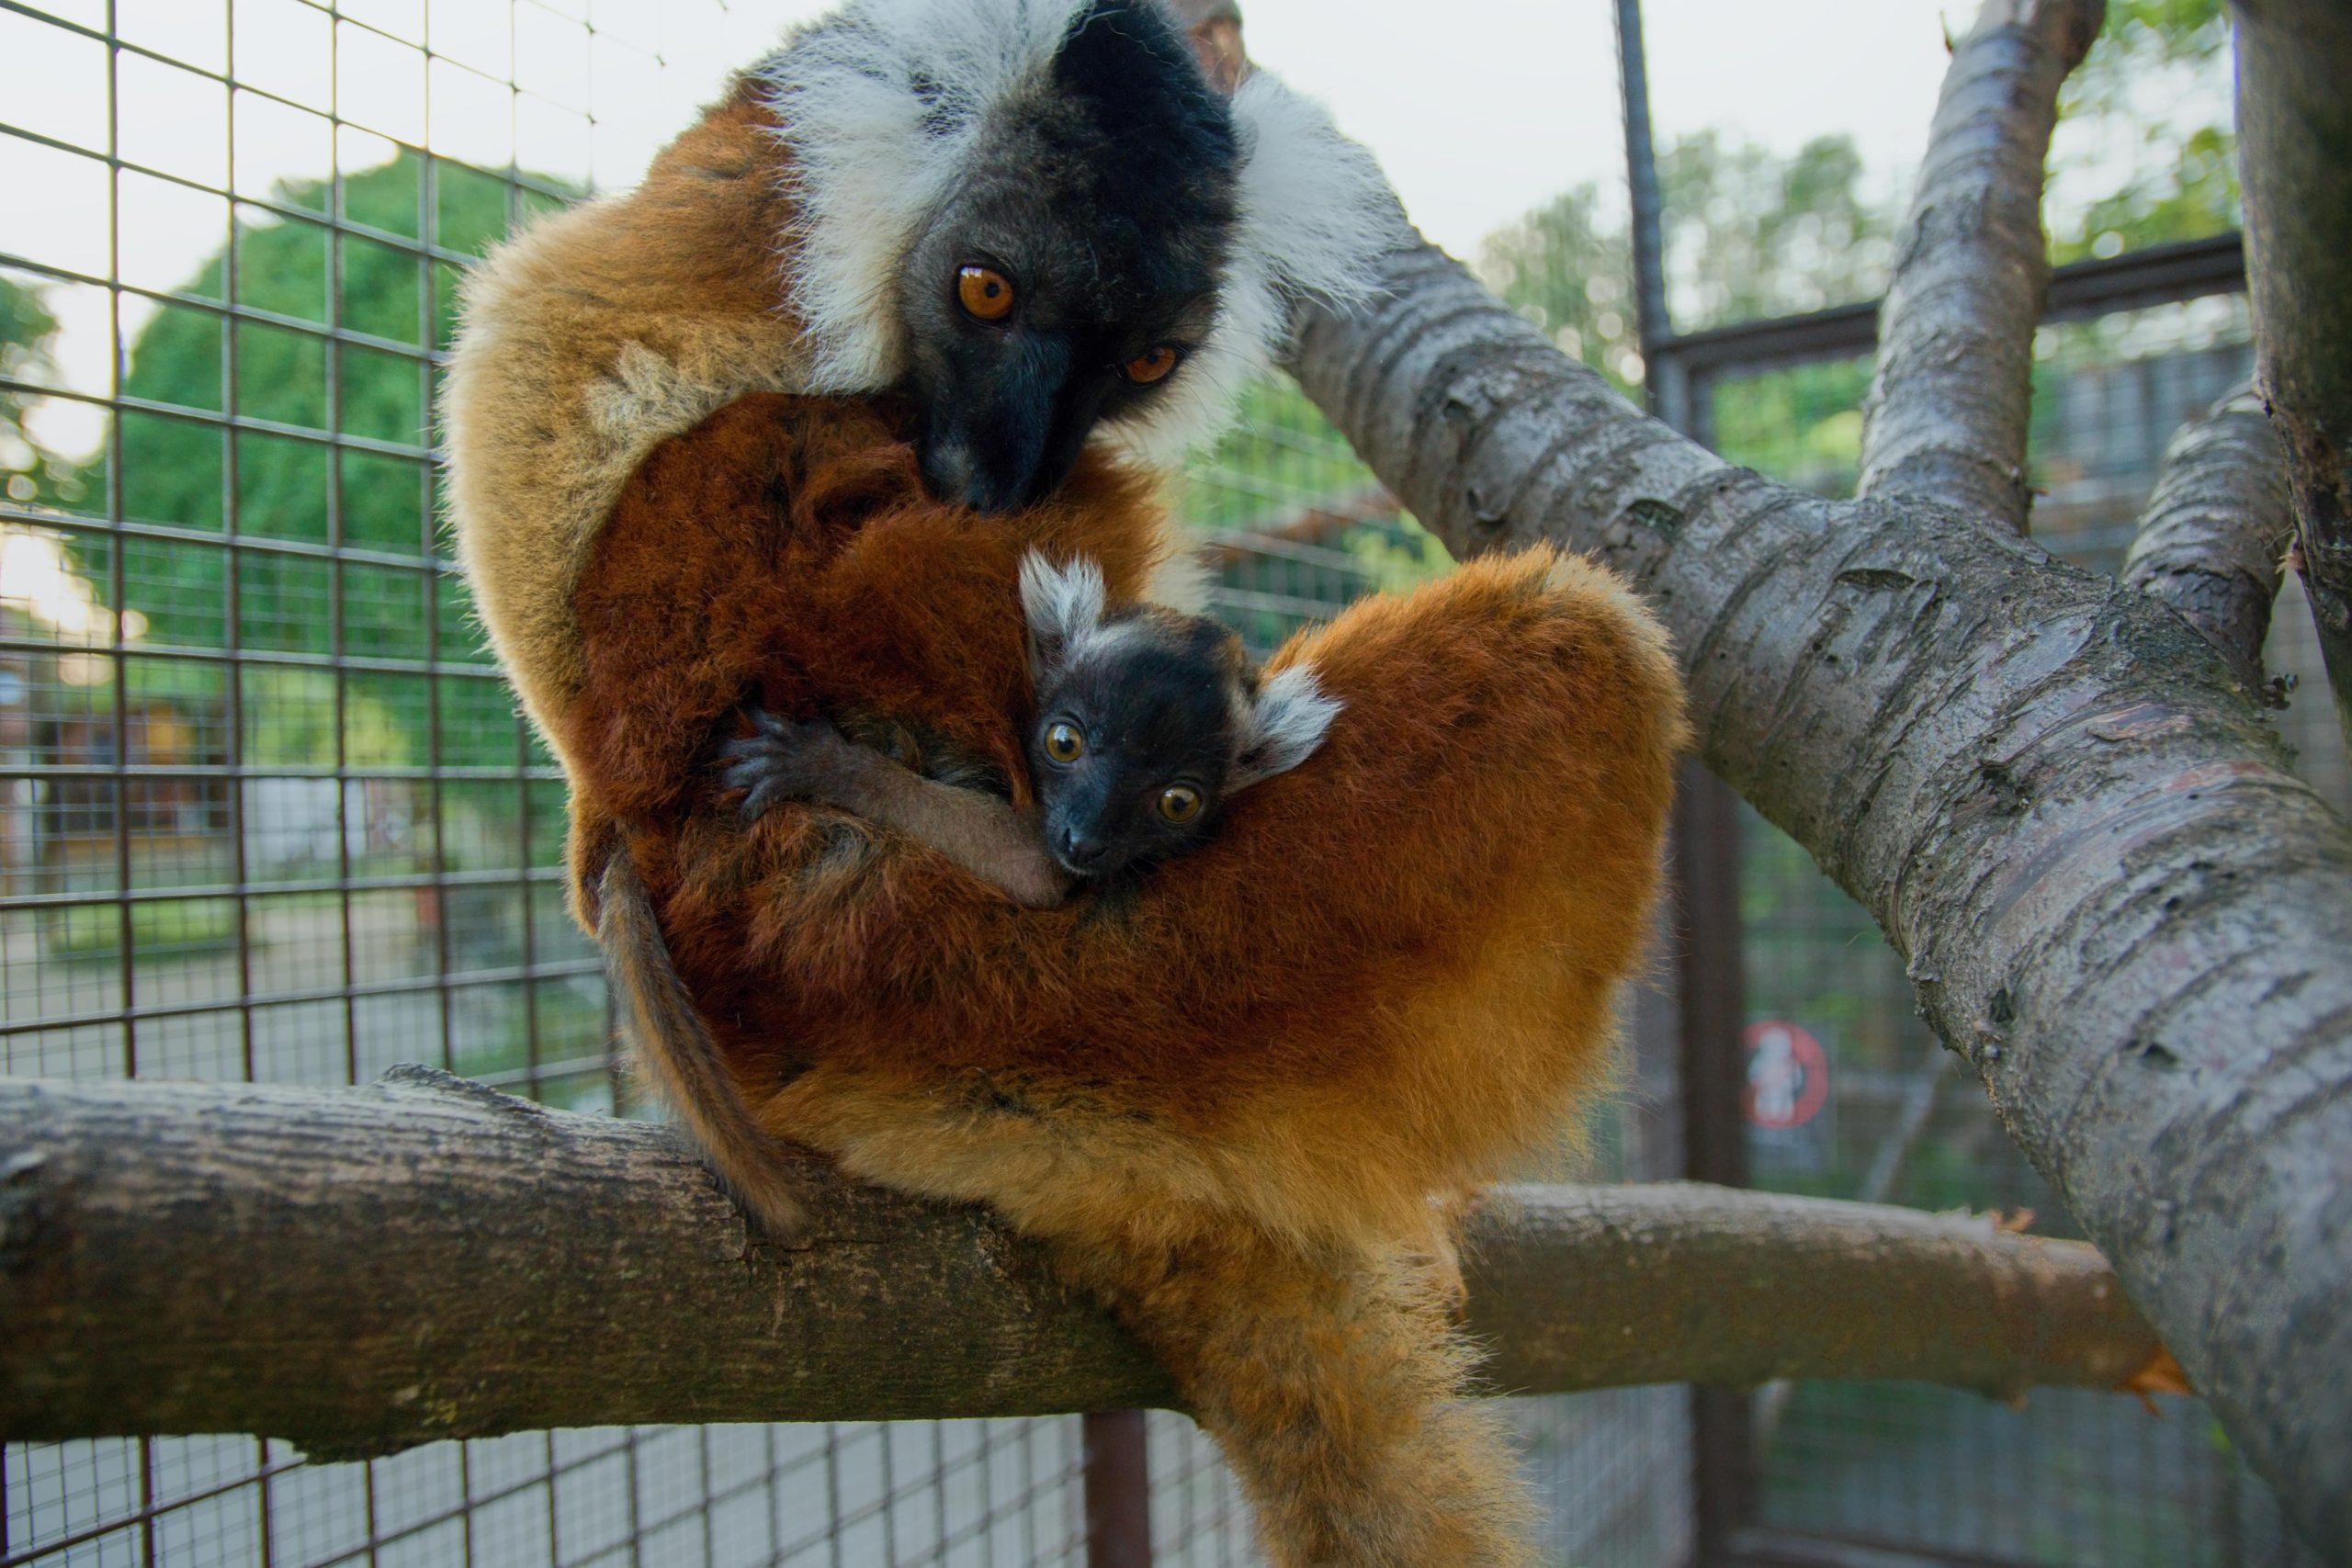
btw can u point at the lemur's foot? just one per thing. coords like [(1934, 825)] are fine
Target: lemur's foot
[(783, 759)]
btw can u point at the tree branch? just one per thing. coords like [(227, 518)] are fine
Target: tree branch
[(1920, 1092), (2211, 542), (356, 1270), (2295, 148), (1948, 409), (2116, 900)]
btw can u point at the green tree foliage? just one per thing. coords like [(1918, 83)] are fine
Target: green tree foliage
[(1753, 234), (1749, 234), (1568, 268), (373, 497), (29, 474), (2180, 180)]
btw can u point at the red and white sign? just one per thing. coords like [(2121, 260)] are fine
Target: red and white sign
[(1788, 1075)]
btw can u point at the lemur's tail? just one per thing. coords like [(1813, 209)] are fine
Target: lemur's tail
[(1336, 1387), (675, 1050)]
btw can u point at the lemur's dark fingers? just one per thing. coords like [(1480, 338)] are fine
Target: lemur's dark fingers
[(746, 751), (767, 723), (747, 772), (764, 794)]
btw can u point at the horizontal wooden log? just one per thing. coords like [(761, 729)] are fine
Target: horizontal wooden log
[(359, 1270)]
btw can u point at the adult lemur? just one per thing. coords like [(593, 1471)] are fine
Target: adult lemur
[(1236, 1095)]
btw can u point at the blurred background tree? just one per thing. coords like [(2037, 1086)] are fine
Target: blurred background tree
[(2181, 180), (372, 497), (30, 475)]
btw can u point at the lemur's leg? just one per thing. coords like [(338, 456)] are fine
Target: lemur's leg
[(813, 761), (1335, 1386)]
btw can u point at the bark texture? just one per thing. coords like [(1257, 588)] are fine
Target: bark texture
[(2295, 146), (356, 1270), (2215, 532), (1947, 408), (2115, 899)]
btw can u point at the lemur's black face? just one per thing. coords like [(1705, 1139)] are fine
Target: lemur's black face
[(1068, 280), (1134, 744)]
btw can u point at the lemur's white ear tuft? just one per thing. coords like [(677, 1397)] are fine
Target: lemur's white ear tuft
[(1287, 722), (1063, 605)]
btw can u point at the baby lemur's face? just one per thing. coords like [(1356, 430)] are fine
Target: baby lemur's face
[(1147, 722), (1136, 735)]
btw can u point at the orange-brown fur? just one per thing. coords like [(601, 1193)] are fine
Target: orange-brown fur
[(1335, 1383), (1449, 891), (589, 337), (1230, 1093)]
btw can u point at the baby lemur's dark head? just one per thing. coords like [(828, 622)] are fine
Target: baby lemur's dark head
[(1039, 219), (1147, 722)]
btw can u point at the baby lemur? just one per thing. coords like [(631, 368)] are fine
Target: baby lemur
[(1147, 721)]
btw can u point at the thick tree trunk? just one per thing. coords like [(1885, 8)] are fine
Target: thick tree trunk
[(357, 1271), (2295, 144), (1947, 410), (2210, 543), (2116, 900)]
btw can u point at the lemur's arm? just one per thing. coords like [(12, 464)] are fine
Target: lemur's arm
[(992, 838)]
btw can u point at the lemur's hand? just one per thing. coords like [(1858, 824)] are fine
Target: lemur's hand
[(787, 760)]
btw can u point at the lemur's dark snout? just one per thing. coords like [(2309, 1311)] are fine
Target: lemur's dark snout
[(990, 476), (1005, 431), (947, 471), (990, 481), (1078, 851)]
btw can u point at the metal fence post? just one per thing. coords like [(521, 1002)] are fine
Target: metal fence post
[(1118, 1491), (1706, 865)]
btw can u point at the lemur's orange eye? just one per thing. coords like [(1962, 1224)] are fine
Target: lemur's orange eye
[(1179, 803), (1064, 743), (1153, 364), (986, 293)]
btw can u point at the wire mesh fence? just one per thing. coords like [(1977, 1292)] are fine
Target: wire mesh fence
[(265, 809), (2069, 1477), (266, 812)]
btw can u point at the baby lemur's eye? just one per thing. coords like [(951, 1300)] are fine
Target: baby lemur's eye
[(985, 293), (1064, 743), (1153, 364), (1179, 803)]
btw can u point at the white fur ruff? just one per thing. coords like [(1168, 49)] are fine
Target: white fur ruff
[(872, 162)]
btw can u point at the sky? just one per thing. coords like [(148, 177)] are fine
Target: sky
[(1477, 121)]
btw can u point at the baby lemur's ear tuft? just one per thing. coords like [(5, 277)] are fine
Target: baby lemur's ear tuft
[(1063, 605), (1286, 721)]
